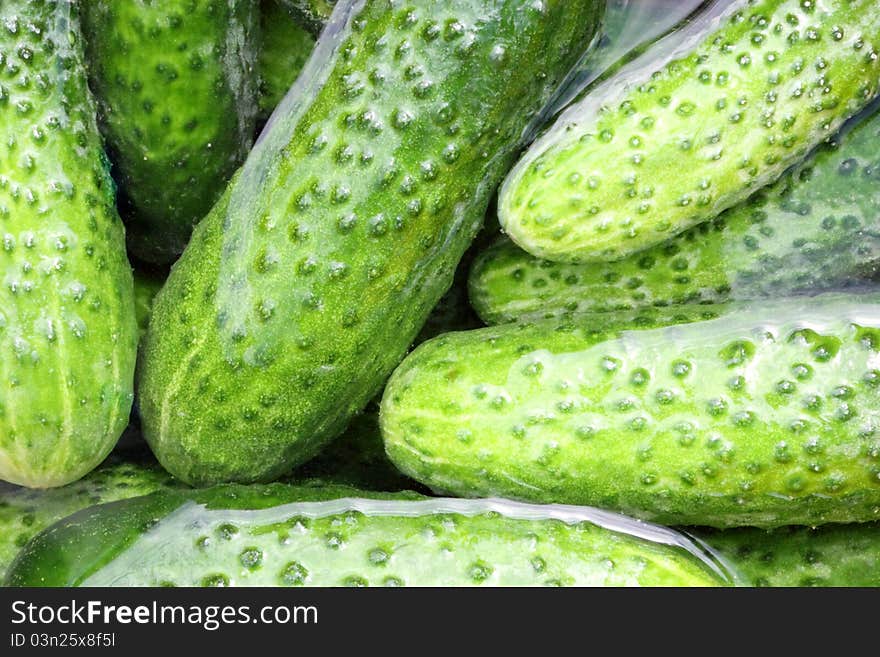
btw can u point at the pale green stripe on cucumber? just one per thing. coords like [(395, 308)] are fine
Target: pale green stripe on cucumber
[(818, 227), (705, 118), (68, 336), (286, 536), (768, 415), (307, 283), (832, 555), (177, 85), (284, 49)]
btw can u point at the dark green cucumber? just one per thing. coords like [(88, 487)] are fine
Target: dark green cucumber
[(311, 14), (177, 90), (307, 283), (356, 458), (708, 116), (146, 287), (284, 49), (768, 415), (24, 513), (833, 555), (67, 327), (817, 228), (287, 536)]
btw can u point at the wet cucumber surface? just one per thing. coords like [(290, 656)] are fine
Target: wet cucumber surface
[(368, 185), (67, 326), (767, 415), (817, 228), (177, 90), (700, 122), (284, 536)]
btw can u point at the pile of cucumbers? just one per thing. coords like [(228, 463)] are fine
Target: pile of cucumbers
[(410, 292)]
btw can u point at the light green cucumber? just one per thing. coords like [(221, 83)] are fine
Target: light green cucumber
[(816, 228), (767, 415), (704, 119), (67, 326), (177, 89), (292, 536), (309, 280), (829, 556), (311, 14), (24, 512), (284, 49)]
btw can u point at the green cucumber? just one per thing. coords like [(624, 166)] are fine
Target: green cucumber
[(67, 326), (311, 14), (357, 459), (304, 287), (707, 117), (833, 555), (284, 49), (287, 536), (817, 228), (146, 287), (767, 415), (177, 90), (24, 512)]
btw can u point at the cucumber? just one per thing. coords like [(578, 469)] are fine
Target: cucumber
[(311, 14), (306, 284), (277, 535), (67, 326), (356, 459), (177, 90), (24, 512), (767, 415), (711, 114), (146, 287), (817, 228), (833, 555), (629, 29), (284, 49)]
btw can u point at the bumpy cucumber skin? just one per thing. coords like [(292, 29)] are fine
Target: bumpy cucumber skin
[(830, 556), (311, 14), (766, 416), (177, 90), (284, 49), (816, 228), (305, 286), (251, 536), (654, 152), (67, 327), (24, 512)]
